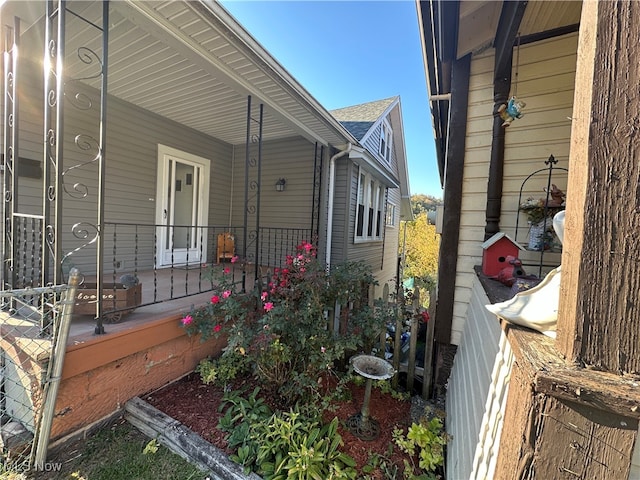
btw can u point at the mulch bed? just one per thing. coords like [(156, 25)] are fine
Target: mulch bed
[(195, 405)]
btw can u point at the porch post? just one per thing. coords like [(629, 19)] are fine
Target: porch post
[(10, 153), (102, 164), (251, 233), (316, 195), (448, 257), (53, 141), (599, 311)]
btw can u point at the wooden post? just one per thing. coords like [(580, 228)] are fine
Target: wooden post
[(428, 348), (383, 334), (397, 350), (413, 341), (599, 311)]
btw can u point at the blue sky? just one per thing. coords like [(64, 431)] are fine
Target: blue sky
[(346, 53)]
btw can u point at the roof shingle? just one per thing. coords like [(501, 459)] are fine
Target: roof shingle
[(358, 119)]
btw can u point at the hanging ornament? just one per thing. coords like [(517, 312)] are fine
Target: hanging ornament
[(513, 108)]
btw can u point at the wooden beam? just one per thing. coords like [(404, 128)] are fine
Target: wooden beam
[(448, 259), (558, 415), (603, 391), (547, 34), (599, 310), (551, 375), (508, 26)]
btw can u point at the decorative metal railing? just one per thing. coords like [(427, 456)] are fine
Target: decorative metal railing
[(136, 274), (40, 241)]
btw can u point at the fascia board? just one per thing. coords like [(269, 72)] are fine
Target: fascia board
[(358, 154), (262, 56)]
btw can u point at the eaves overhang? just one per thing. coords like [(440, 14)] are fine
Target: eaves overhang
[(361, 155)]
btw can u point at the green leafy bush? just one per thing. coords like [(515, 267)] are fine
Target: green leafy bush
[(425, 440), (221, 371), (281, 330), (284, 445)]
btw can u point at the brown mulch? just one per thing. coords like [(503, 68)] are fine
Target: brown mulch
[(195, 405)]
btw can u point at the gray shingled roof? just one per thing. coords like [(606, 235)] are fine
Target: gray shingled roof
[(358, 119)]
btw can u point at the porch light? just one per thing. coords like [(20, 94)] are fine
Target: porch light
[(280, 185)]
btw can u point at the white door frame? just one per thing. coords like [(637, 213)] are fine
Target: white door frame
[(164, 212)]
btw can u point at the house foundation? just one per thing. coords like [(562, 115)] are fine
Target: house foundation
[(99, 376)]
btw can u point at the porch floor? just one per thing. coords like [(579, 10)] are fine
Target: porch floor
[(159, 291)]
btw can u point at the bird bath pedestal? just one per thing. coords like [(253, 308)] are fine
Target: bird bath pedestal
[(371, 368)]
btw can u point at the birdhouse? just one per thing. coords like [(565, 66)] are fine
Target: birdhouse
[(495, 252)]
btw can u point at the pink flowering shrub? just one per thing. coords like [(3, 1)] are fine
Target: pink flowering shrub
[(227, 308), (282, 330)]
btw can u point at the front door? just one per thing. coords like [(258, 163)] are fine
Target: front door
[(182, 207)]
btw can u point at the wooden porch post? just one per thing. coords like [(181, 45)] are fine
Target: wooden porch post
[(573, 410), (599, 311)]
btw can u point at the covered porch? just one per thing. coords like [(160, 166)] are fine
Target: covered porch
[(120, 162), (135, 134)]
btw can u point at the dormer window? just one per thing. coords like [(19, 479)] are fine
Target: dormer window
[(386, 139)]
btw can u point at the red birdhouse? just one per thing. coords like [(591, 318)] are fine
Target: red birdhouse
[(495, 252)]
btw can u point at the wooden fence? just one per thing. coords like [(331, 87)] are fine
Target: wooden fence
[(404, 322)]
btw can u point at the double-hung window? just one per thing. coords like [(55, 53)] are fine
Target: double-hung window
[(386, 139), (369, 209), (391, 215)]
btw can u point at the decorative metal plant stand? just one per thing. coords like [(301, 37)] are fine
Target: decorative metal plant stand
[(371, 368)]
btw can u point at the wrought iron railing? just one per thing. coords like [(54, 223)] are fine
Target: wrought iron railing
[(147, 264)]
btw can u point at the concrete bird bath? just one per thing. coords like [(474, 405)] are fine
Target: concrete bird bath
[(371, 368)]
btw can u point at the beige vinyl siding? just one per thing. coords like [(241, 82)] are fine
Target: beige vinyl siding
[(477, 394), (634, 472), (545, 83)]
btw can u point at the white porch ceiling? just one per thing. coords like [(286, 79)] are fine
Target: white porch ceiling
[(189, 62), (479, 20)]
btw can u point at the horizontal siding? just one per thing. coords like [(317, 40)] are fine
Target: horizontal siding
[(291, 159), (368, 252), (634, 472), (133, 135), (547, 76), (341, 214), (477, 392), (372, 144), (388, 273), (545, 81)]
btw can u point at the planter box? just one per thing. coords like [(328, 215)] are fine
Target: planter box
[(126, 299)]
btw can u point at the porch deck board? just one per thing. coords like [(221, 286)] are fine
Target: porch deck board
[(160, 289)]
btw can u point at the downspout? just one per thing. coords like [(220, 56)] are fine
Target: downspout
[(501, 87), (332, 183), (508, 25)]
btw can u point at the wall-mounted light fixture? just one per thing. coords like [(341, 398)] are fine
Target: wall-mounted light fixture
[(280, 185)]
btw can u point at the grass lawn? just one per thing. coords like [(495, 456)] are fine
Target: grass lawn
[(116, 452)]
